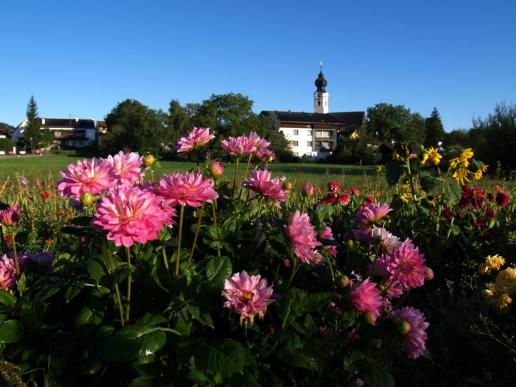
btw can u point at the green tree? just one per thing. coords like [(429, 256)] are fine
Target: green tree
[(34, 137), (179, 120), (395, 122), (434, 130), (135, 127)]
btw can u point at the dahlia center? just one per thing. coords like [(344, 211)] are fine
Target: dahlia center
[(246, 296)]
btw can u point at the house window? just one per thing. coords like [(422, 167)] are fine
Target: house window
[(296, 132), (309, 143), (293, 143)]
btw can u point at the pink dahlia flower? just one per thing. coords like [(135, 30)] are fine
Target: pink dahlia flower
[(415, 339), (407, 266), (308, 189), (327, 234), (130, 214), (371, 213), (388, 242), (126, 167), (265, 155), (303, 238), (7, 273), (195, 139), (259, 142), (9, 216), (85, 176), (216, 169), (366, 297), (186, 189), (238, 146), (262, 183), (247, 295)]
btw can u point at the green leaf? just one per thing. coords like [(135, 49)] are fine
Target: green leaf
[(136, 342), (7, 299), (223, 355), (11, 331), (96, 268), (374, 375), (393, 172), (428, 182), (81, 221), (316, 301), (218, 269), (73, 290), (452, 192)]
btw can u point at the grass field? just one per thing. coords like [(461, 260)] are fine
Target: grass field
[(43, 166)]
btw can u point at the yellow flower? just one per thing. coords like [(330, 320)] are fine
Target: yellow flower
[(506, 281), (466, 155), (501, 300), (433, 155), (492, 262), (490, 291), (405, 197), (379, 168), (461, 175), (478, 174), (454, 162), (401, 152), (484, 168)]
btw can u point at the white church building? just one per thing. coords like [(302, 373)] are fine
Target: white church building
[(315, 135)]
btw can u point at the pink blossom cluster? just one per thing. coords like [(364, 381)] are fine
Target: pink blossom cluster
[(197, 138), (262, 183), (98, 175), (403, 267), (7, 273), (251, 145), (9, 216), (130, 214), (369, 214), (366, 298), (303, 238), (247, 295), (327, 234)]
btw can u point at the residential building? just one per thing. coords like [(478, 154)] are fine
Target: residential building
[(315, 135), (68, 133)]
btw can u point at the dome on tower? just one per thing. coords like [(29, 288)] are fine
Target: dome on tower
[(321, 83)]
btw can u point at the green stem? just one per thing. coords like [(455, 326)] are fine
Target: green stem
[(294, 271), (247, 166), (235, 174), (214, 214), (117, 290), (129, 281), (165, 258), (15, 254), (197, 228), (180, 236)]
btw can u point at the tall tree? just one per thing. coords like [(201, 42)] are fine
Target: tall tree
[(178, 120), (395, 123), (34, 136), (434, 131), (134, 126)]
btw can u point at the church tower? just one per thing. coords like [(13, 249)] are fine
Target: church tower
[(321, 96)]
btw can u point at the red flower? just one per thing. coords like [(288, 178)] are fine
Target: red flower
[(369, 199), (343, 199), (502, 198), (447, 214), (45, 195), (334, 186)]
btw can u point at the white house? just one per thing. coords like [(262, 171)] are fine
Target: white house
[(66, 132), (315, 134)]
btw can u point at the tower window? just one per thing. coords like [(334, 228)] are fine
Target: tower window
[(296, 132), (319, 102)]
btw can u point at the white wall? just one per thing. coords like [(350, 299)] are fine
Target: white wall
[(303, 137)]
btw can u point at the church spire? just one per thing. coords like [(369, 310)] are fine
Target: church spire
[(321, 96)]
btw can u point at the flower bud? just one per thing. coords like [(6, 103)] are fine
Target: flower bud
[(344, 281), (287, 185), (286, 263), (429, 274), (216, 169), (350, 243), (86, 199), (149, 160), (370, 318), (404, 327)]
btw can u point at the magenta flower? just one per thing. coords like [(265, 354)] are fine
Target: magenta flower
[(216, 169), (7, 273), (126, 167), (303, 238), (262, 183), (415, 339), (247, 295), (265, 155), (188, 189), (366, 297), (238, 146), (85, 176), (407, 266), (388, 242), (259, 142), (308, 189), (195, 139), (371, 213), (130, 214), (9, 216), (327, 234)]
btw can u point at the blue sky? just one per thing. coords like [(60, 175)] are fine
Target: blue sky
[(80, 58)]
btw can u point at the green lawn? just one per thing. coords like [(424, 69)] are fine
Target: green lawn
[(43, 166)]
